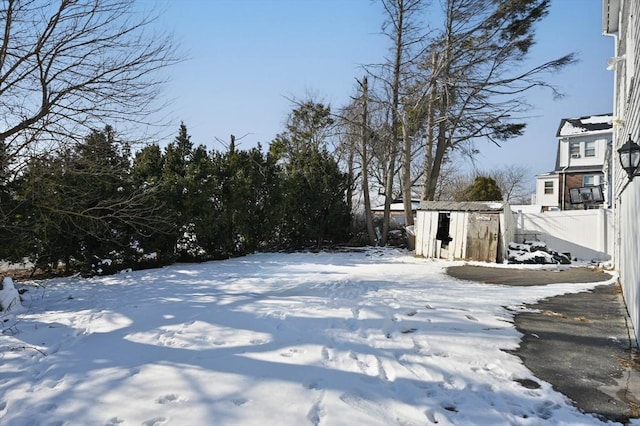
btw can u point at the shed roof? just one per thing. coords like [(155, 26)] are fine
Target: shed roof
[(465, 206)]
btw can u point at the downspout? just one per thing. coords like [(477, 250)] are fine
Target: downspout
[(615, 200), (563, 172)]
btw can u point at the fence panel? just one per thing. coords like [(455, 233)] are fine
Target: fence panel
[(585, 234)]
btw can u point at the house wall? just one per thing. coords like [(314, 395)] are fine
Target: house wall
[(627, 197), (575, 180), (547, 200), (564, 160), (586, 234)]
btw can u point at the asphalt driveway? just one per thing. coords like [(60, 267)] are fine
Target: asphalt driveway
[(579, 343)]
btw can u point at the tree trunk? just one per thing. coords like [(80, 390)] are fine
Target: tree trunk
[(395, 104), (428, 158), (406, 174), (365, 162)]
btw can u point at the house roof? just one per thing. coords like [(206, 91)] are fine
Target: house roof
[(547, 174), (583, 169), (464, 206), (601, 123)]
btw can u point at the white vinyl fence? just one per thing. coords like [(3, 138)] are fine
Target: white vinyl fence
[(585, 234)]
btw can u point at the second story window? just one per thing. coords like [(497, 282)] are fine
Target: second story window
[(590, 149), (574, 149), (548, 187)]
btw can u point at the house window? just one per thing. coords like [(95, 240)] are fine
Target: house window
[(548, 187), (590, 149), (589, 180), (574, 149)]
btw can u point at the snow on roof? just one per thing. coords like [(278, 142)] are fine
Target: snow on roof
[(397, 206), (463, 206), (588, 124)]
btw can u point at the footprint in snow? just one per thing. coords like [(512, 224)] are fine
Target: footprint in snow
[(156, 421), (170, 398), (314, 385), (239, 402), (291, 352), (114, 421), (316, 413)]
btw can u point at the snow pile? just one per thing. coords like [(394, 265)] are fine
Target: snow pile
[(10, 307), (535, 252), (9, 296), (367, 338)]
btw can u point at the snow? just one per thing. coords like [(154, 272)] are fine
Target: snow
[(568, 129), (376, 337), (9, 297), (598, 119)]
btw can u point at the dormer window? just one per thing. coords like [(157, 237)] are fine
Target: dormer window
[(590, 149), (574, 149)]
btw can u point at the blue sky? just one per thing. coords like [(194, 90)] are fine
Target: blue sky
[(248, 58)]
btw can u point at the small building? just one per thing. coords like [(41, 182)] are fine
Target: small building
[(396, 213), (581, 176), (474, 230)]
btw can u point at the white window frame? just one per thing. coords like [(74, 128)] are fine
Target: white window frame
[(548, 187), (590, 149), (574, 149)]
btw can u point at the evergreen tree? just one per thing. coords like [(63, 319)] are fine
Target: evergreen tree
[(80, 206), (313, 207), (175, 189), (484, 188), (157, 247)]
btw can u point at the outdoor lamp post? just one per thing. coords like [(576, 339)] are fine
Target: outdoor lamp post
[(629, 154)]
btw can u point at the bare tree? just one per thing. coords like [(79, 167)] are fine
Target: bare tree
[(68, 66), (511, 180), (402, 27), (476, 79)]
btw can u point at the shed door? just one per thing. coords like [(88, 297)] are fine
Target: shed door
[(482, 236)]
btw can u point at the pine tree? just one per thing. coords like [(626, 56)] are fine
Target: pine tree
[(483, 188)]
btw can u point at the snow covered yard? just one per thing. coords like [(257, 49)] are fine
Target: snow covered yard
[(375, 338)]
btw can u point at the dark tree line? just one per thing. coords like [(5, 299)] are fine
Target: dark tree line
[(97, 208)]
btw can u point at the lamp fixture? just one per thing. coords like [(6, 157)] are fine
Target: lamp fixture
[(629, 154)]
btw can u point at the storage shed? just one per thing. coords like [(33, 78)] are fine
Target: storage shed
[(475, 230)]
